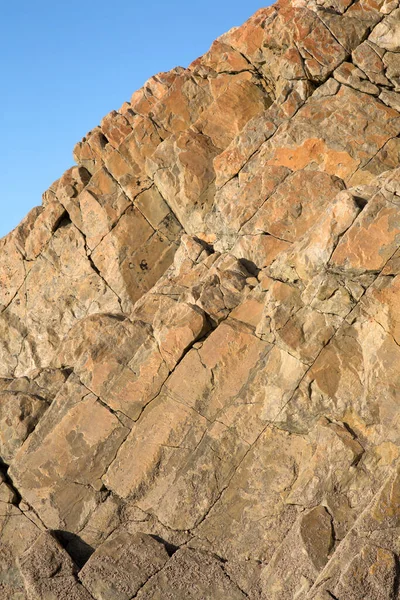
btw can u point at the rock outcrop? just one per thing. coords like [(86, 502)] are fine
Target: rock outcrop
[(200, 331)]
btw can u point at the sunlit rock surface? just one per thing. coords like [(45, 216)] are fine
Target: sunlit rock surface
[(200, 331)]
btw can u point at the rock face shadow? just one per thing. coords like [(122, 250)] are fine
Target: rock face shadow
[(170, 548), (79, 551)]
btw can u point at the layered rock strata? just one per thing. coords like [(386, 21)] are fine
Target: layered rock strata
[(200, 331)]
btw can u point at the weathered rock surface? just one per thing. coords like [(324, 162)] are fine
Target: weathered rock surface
[(122, 565), (200, 330), (49, 572)]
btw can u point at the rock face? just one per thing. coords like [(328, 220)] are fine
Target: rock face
[(200, 331)]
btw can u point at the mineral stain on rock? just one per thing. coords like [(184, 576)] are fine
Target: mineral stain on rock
[(199, 330)]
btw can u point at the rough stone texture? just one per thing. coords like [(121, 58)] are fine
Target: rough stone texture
[(200, 331), (191, 575), (49, 572), (122, 565)]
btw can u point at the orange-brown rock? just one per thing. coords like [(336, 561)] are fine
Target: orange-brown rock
[(200, 331)]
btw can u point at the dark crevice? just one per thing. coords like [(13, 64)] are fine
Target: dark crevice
[(63, 221), (92, 264), (68, 371), (102, 140), (208, 247), (361, 203), (117, 414), (7, 479), (250, 266), (350, 430), (170, 548), (78, 549)]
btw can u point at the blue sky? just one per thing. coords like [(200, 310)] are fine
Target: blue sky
[(64, 65)]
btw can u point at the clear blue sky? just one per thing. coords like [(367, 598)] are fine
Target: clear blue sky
[(65, 64)]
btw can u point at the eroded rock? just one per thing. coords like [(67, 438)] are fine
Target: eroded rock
[(122, 565), (199, 354)]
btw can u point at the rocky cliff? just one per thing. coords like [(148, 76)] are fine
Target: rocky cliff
[(200, 331)]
